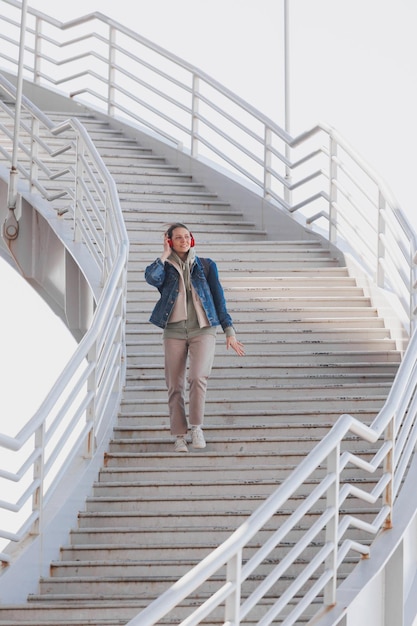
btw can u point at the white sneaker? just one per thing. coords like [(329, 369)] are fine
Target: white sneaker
[(180, 444), (197, 436)]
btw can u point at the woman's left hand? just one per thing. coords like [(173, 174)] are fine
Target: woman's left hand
[(232, 342)]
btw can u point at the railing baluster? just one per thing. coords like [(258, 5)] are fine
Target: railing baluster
[(34, 169), (388, 499), (111, 72), (380, 244), (232, 607), (90, 414), (37, 56), (82, 402), (78, 196), (333, 172), (267, 163), (38, 476), (332, 527), (194, 115)]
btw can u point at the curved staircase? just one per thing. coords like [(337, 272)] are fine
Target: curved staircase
[(316, 348)]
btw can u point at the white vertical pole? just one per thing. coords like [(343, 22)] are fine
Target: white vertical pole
[(12, 196), (287, 64), (11, 226), (287, 192)]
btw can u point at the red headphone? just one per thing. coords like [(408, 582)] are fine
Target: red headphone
[(171, 230)]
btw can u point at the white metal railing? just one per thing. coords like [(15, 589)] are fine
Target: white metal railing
[(130, 78), (318, 177), (74, 416), (395, 432)]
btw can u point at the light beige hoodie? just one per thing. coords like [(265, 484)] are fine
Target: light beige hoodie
[(187, 308)]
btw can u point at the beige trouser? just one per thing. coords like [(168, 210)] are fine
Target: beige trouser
[(200, 353)]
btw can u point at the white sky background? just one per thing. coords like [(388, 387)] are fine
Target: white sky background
[(353, 65)]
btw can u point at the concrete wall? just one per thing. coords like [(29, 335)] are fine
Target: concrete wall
[(45, 254)]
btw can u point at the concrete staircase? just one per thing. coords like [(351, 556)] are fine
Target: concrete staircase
[(316, 348)]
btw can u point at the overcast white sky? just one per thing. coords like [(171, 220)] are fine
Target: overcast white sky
[(353, 65)]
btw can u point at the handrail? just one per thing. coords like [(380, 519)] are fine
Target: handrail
[(322, 180), (82, 150), (74, 416), (389, 423), (391, 420)]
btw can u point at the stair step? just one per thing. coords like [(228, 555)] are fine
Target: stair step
[(303, 325), (142, 587), (132, 507), (133, 176), (244, 262), (137, 283), (270, 293), (272, 392), (284, 429), (202, 487), (251, 407), (157, 525), (273, 369), (137, 473), (232, 379), (162, 186), (177, 549), (279, 358), (285, 338), (281, 446), (142, 567), (240, 458), (133, 440), (232, 228), (156, 207), (98, 611), (276, 303), (249, 334), (287, 346)]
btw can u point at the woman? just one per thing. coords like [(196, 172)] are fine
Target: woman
[(190, 307)]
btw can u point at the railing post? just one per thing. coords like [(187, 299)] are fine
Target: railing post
[(111, 71), (37, 57), (77, 191), (121, 335), (38, 474), (90, 416), (194, 116), (288, 179), (333, 467), (232, 607), (34, 169), (413, 286), (333, 191), (106, 243), (380, 244), (267, 162), (389, 469), (287, 107)]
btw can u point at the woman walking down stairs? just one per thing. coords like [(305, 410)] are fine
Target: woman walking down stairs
[(316, 348)]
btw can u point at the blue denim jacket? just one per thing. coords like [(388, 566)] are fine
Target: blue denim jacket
[(165, 278)]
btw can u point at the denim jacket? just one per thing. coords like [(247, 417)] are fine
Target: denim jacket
[(165, 277)]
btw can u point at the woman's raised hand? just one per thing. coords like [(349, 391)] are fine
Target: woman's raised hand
[(167, 249)]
